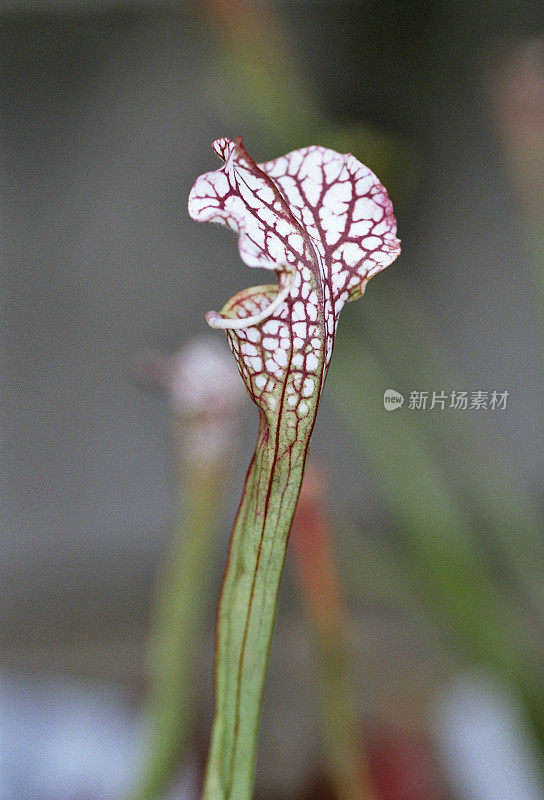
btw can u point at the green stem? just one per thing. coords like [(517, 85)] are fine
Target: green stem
[(247, 607), (177, 616)]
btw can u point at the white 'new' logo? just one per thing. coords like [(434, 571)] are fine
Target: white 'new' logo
[(392, 400)]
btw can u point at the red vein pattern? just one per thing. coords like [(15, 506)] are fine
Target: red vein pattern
[(325, 224)]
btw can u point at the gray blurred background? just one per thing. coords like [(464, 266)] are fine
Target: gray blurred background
[(108, 111)]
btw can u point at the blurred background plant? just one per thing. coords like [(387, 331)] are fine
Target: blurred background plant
[(322, 595), (206, 396), (108, 109)]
